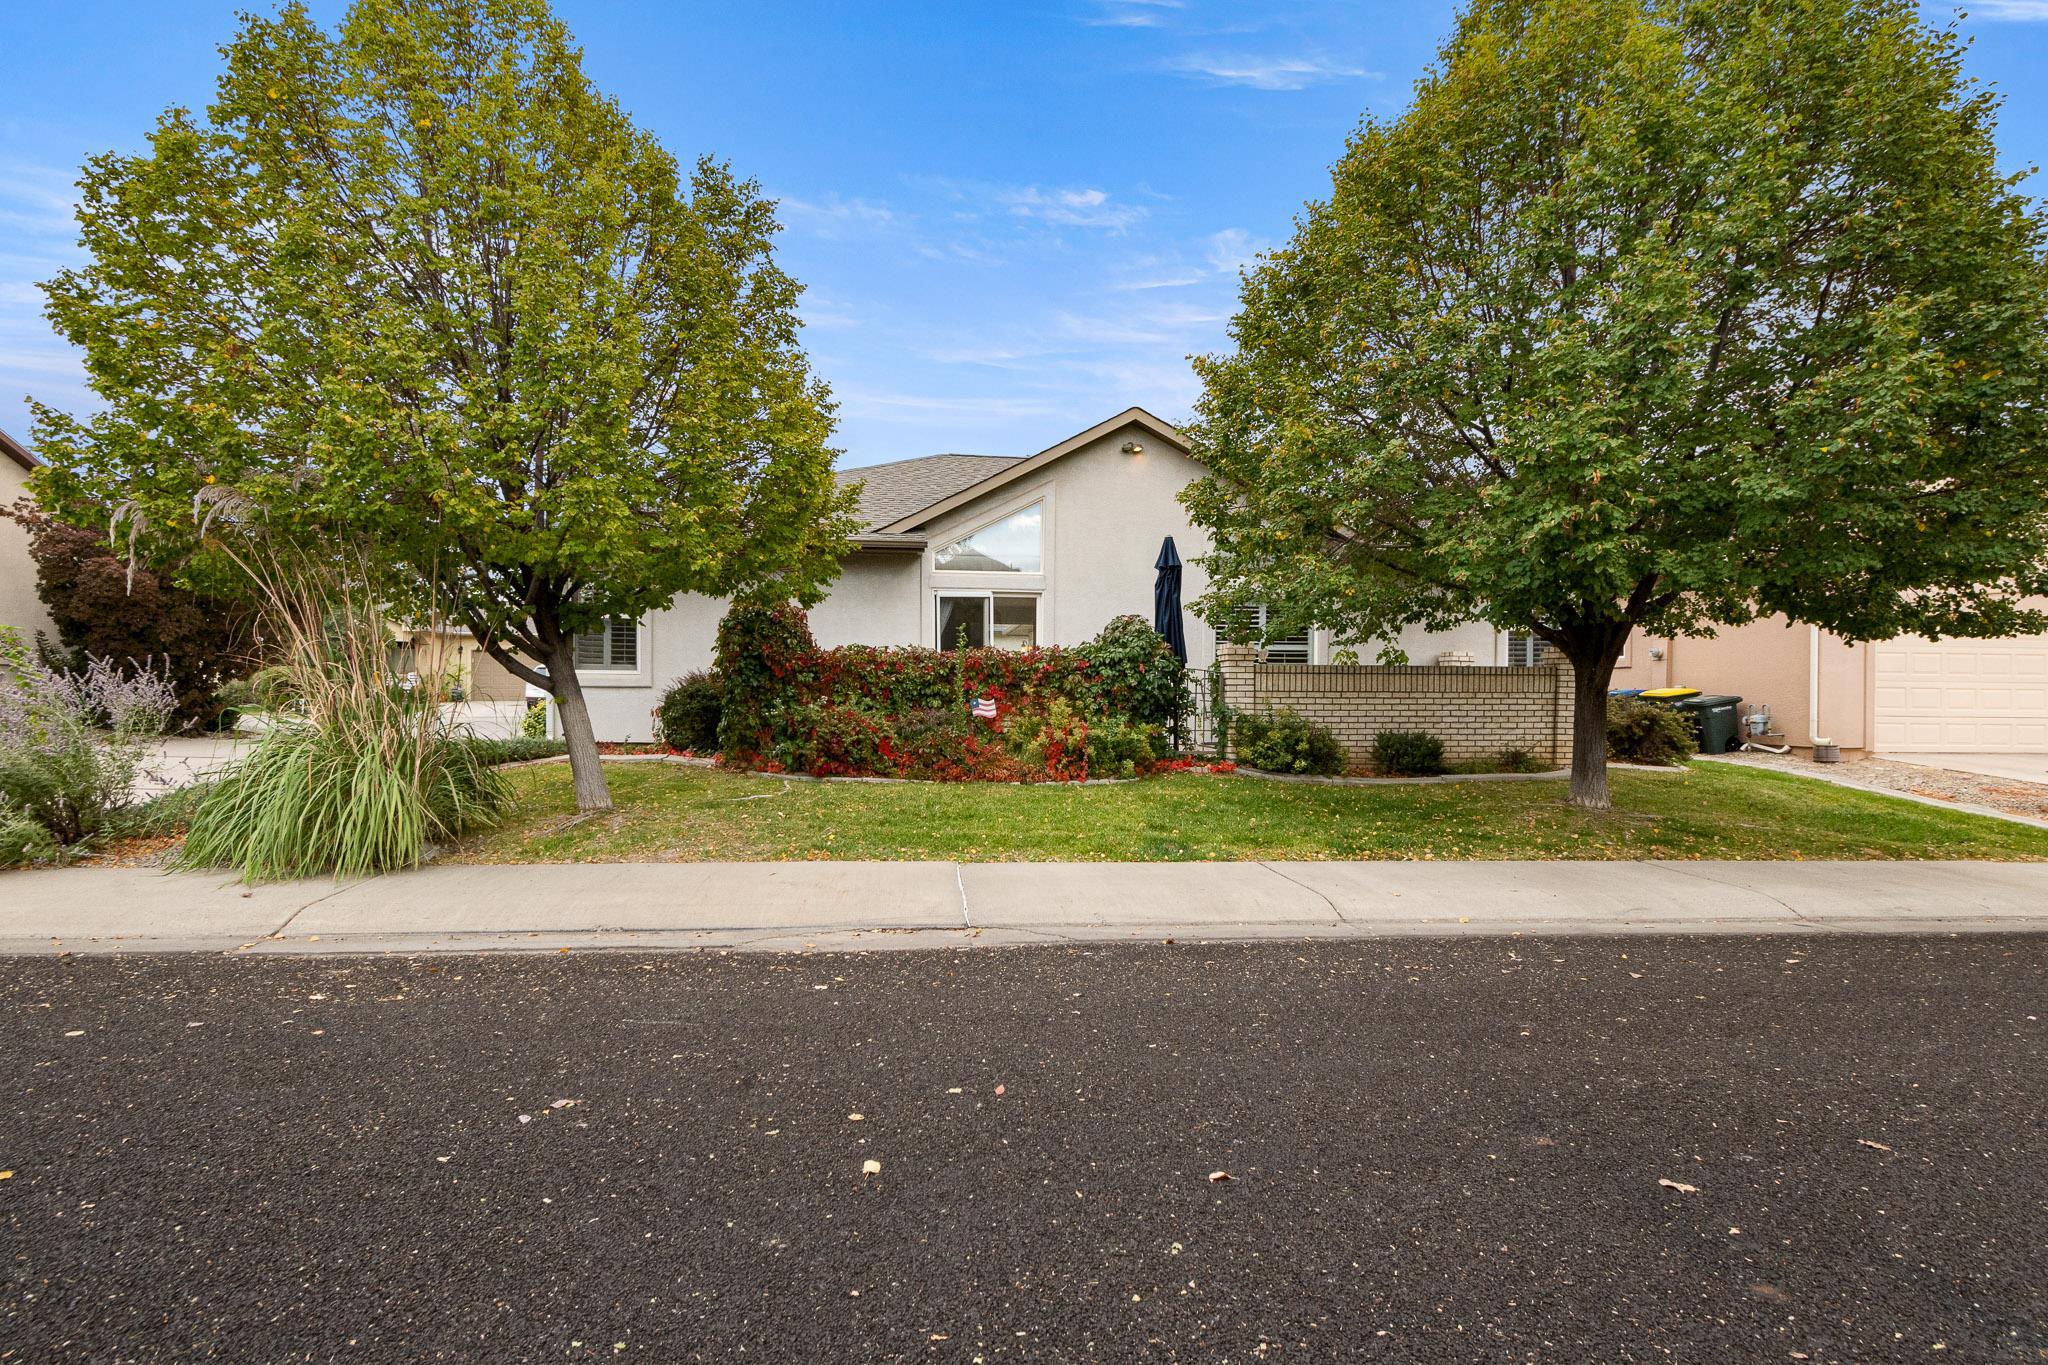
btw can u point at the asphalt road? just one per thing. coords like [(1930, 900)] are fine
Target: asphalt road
[(1438, 1151)]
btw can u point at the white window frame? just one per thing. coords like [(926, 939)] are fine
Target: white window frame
[(988, 598), (1037, 499), (640, 675)]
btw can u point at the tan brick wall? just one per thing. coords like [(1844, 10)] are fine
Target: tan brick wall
[(1476, 712)]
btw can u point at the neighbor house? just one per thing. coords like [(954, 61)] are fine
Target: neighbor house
[(19, 605), (1008, 551), (1905, 696)]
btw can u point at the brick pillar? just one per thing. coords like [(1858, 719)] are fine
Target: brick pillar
[(1564, 711), (1237, 664)]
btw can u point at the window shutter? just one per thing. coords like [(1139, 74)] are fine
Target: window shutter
[(625, 644)]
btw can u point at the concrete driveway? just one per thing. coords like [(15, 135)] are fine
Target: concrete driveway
[(2018, 767)]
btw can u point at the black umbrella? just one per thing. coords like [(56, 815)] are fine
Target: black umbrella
[(1166, 601)]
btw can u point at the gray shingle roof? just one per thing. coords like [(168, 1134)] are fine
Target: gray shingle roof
[(895, 490)]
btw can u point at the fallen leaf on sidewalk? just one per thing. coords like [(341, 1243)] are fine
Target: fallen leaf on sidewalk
[(561, 1104), (1875, 1146), (870, 1168), (855, 1118), (1221, 1177), (6, 1175), (999, 1090), (1679, 1186)]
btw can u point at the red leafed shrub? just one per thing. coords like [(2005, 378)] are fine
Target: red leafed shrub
[(904, 711), (103, 610)]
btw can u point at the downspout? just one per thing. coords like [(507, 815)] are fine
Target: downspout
[(1813, 685)]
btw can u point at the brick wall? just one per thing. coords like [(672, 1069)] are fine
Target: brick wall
[(1476, 712)]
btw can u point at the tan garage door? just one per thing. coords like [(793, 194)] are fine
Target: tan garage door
[(1949, 696)]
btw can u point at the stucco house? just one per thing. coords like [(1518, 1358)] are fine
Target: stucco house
[(1009, 551), (19, 605)]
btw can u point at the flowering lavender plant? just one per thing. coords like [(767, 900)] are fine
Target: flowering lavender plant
[(71, 747)]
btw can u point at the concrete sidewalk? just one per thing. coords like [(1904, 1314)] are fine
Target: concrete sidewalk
[(829, 905)]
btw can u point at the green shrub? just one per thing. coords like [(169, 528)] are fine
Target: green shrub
[(1132, 673), (1120, 748), (166, 813), (1407, 753), (71, 748), (765, 657), (353, 799), (355, 775), (687, 717), (1284, 742), (519, 749), (1641, 731), (1520, 761), (534, 725), (23, 841), (833, 741)]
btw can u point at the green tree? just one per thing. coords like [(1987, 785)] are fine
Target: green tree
[(417, 286), (1658, 313)]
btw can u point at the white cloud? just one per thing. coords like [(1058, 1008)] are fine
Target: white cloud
[(832, 216), (1090, 208), (1234, 249), (1267, 73), (935, 409), (2023, 10), (1133, 13)]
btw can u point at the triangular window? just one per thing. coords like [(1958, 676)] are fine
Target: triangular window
[(1016, 544)]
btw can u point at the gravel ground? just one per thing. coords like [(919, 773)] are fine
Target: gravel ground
[(1943, 784), (1648, 1149)]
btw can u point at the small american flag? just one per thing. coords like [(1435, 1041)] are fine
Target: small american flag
[(984, 707)]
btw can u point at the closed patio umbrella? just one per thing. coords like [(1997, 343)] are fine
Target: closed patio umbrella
[(1166, 601)]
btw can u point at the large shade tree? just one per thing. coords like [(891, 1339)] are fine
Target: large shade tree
[(417, 287), (1647, 313)]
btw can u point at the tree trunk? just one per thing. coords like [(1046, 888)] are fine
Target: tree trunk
[(1592, 675), (586, 769)]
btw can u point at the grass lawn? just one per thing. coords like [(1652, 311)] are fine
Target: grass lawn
[(668, 813)]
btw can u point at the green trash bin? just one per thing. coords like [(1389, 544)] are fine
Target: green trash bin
[(1713, 721)]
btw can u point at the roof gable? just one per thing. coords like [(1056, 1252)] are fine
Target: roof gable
[(1015, 469), (17, 452)]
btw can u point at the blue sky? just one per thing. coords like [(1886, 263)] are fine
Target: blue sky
[(1013, 219)]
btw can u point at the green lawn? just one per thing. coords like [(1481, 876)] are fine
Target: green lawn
[(669, 813)]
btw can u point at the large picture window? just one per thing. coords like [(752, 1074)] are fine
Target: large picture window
[(616, 648), (975, 620), (1016, 544)]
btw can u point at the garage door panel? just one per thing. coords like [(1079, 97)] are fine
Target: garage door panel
[(1949, 695)]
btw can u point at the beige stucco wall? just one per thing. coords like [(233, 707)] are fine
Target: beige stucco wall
[(1769, 662), (19, 605)]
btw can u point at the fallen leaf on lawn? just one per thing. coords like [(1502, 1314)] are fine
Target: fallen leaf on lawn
[(1875, 1146), (1681, 1187), (870, 1168), (1220, 1177)]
